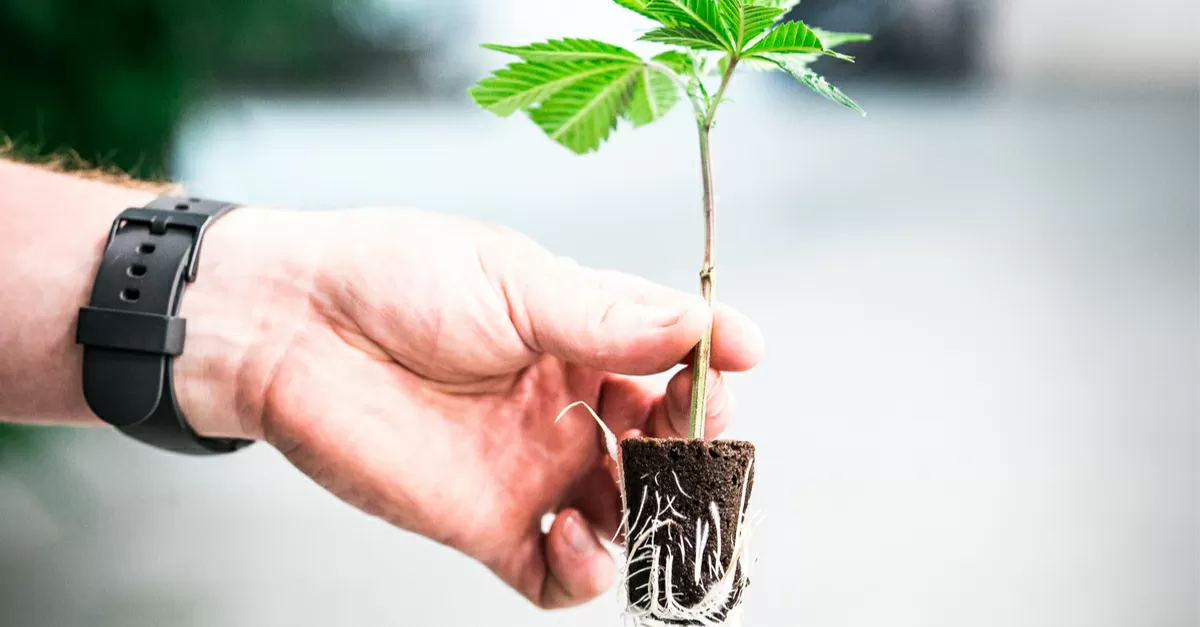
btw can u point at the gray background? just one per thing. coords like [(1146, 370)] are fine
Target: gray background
[(979, 406)]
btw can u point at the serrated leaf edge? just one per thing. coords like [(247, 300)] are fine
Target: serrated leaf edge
[(682, 6)]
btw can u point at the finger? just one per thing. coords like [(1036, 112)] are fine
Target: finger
[(598, 500), (737, 343), (625, 402), (632, 434), (561, 309), (579, 568), (669, 418), (599, 496), (624, 405)]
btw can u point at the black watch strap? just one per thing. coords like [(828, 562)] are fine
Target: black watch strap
[(130, 329)]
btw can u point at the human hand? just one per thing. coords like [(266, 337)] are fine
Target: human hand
[(413, 364)]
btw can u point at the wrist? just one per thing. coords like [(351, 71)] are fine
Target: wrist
[(55, 228), (250, 300)]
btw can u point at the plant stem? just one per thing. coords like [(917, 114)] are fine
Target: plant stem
[(699, 408), (716, 101)]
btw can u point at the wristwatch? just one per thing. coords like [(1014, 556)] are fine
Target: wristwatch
[(130, 330)]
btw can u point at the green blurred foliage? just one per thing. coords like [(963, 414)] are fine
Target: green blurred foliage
[(110, 79), (15, 438)]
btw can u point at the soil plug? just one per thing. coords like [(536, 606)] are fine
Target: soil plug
[(686, 518)]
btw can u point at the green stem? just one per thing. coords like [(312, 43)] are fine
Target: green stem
[(699, 409), (716, 102)]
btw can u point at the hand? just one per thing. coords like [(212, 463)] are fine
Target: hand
[(413, 364)]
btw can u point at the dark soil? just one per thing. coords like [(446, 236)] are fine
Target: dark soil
[(708, 472)]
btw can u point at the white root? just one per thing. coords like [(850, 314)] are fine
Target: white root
[(701, 540), (724, 580), (679, 485), (610, 440), (610, 444), (660, 560)]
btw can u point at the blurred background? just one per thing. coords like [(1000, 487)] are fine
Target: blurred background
[(982, 302)]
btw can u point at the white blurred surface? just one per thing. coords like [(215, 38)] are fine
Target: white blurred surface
[(1113, 43), (979, 408), (1100, 42)]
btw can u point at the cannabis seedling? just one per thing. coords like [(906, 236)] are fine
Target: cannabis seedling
[(577, 90), (684, 545)]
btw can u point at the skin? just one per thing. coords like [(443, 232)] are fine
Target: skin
[(410, 363)]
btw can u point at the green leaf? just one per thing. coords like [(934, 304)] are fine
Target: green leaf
[(691, 38), (757, 20), (637, 6), (678, 61), (831, 40), (817, 83), (801, 72), (582, 115), (769, 61), (560, 50), (522, 85), (789, 38), (761, 63), (653, 96), (746, 21), (701, 15)]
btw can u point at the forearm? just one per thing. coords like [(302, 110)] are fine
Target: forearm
[(51, 241), (251, 294)]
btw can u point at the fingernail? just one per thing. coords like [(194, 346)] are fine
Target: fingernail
[(640, 318), (679, 413), (713, 385), (668, 315), (679, 404), (579, 537), (663, 317)]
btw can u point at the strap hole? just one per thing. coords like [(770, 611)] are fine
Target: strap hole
[(136, 270), (181, 207), (130, 294), (146, 248)]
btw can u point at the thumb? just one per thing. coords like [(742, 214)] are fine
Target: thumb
[(578, 315), (563, 568), (578, 567)]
